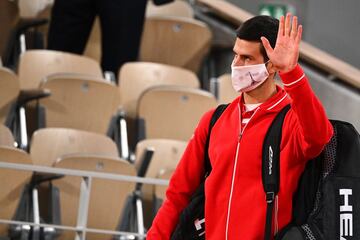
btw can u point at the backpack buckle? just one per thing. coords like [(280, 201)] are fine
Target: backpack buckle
[(270, 196)]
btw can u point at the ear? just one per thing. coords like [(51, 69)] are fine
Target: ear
[(270, 67)]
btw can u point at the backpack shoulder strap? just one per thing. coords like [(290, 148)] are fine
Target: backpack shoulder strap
[(271, 165), (216, 115)]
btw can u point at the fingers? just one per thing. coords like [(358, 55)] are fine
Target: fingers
[(294, 28), (267, 46), (298, 36), (288, 27), (287, 24), (281, 27)]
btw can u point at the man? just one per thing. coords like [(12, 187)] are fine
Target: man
[(235, 205), (121, 28)]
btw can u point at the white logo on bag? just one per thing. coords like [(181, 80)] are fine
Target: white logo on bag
[(346, 216), (270, 160), (198, 226)]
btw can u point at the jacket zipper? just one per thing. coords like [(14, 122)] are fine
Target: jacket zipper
[(231, 191), (241, 132)]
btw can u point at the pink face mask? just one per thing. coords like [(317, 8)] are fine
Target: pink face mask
[(247, 78)]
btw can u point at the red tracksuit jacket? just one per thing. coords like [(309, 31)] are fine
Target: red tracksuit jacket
[(235, 207)]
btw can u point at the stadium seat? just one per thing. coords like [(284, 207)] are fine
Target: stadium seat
[(49, 144), (76, 149), (12, 101), (136, 77), (9, 91), (12, 183), (6, 137), (79, 101), (37, 64), (167, 154), (177, 41), (107, 197), (172, 112), (93, 46), (177, 8)]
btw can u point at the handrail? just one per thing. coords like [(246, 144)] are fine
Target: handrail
[(82, 173), (70, 228), (308, 53), (85, 192)]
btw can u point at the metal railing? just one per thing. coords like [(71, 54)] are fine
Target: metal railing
[(81, 228)]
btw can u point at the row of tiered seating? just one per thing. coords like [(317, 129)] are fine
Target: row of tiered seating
[(76, 149)]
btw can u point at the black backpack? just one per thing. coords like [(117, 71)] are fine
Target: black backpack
[(326, 205)]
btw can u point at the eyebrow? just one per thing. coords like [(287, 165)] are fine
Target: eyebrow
[(243, 55)]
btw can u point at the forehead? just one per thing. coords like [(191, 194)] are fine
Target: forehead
[(244, 47)]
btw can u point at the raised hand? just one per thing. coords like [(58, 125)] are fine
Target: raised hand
[(284, 57)]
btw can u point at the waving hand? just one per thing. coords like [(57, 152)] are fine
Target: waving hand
[(284, 56)]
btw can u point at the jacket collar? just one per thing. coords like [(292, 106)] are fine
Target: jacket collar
[(273, 104)]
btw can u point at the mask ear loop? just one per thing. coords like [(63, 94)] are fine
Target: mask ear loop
[(266, 63)]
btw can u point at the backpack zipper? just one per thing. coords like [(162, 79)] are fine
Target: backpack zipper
[(276, 214)]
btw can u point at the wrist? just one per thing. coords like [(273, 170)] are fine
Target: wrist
[(292, 76), (289, 69)]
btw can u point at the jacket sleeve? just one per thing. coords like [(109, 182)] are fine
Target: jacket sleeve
[(183, 183), (312, 128)]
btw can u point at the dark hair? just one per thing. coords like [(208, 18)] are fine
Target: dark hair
[(257, 27)]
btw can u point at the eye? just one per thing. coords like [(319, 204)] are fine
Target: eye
[(246, 59), (236, 58)]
